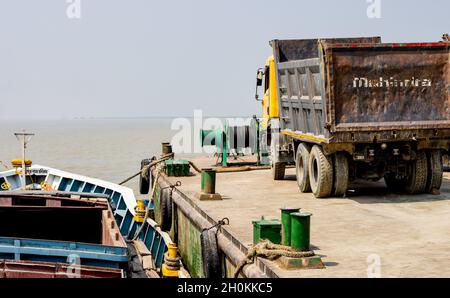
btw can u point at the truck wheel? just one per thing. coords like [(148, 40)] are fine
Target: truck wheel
[(301, 168), (144, 180), (278, 170), (320, 173), (435, 171), (340, 174), (417, 178)]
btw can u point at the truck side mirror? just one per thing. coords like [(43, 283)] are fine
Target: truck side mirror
[(259, 81), (259, 77)]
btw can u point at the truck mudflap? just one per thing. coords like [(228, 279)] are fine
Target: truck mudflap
[(376, 87)]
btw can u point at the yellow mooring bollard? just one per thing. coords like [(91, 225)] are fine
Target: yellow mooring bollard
[(140, 211), (171, 264)]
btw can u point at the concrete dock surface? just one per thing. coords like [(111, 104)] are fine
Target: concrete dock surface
[(409, 234)]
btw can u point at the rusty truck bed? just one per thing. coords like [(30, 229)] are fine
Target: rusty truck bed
[(360, 90)]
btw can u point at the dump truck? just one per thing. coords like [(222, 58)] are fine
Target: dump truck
[(356, 108)]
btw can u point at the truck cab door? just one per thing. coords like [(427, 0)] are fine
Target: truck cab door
[(266, 99)]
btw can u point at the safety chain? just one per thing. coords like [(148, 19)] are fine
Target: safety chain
[(145, 171), (172, 186), (223, 222)]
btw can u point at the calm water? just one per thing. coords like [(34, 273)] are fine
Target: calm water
[(106, 149)]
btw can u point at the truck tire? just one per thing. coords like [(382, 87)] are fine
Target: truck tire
[(320, 173), (278, 170), (165, 210), (340, 181), (210, 255), (435, 171), (144, 181), (301, 168), (446, 162), (416, 181)]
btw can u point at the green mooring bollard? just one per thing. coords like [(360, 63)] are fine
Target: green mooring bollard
[(286, 224), (300, 230), (208, 182)]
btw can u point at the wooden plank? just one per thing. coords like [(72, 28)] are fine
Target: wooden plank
[(148, 263), (110, 232), (52, 203), (4, 202), (141, 248)]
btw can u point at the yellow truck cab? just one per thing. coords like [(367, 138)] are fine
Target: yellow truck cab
[(269, 134), (270, 98)]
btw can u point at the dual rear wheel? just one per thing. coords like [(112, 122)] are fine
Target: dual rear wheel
[(328, 176), (321, 174), (424, 174)]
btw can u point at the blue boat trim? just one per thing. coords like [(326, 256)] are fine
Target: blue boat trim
[(122, 202), (32, 249)]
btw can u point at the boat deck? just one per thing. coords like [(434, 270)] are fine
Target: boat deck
[(43, 233), (409, 233)]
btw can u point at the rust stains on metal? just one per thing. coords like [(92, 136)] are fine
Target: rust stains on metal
[(50, 200), (28, 269), (388, 86)]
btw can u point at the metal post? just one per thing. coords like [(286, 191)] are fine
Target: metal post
[(224, 149), (208, 181), (258, 136), (286, 224), (24, 137), (166, 148), (300, 230)]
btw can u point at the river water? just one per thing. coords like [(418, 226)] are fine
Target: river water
[(108, 149)]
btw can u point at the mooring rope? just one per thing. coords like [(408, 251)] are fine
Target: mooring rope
[(267, 249), (195, 167), (147, 209), (145, 170), (5, 166)]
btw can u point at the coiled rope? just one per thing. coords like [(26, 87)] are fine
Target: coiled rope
[(267, 249)]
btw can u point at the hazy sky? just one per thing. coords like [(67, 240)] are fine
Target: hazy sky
[(142, 58)]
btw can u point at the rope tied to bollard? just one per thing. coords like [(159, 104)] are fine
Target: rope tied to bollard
[(146, 169), (271, 251), (147, 209)]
